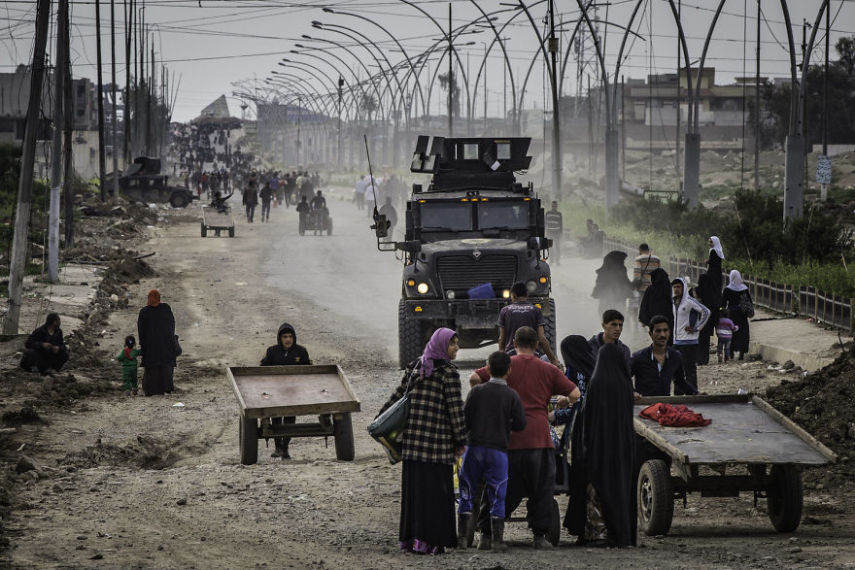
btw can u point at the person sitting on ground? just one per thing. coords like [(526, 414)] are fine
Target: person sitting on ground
[(521, 313), (128, 358), (656, 367), (286, 352), (45, 351), (492, 411), (319, 202), (612, 328)]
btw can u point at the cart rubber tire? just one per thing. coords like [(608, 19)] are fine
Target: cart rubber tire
[(204, 230), (554, 535), (343, 432), (248, 440), (329, 227), (410, 335), (549, 325), (655, 498), (232, 231), (784, 498)]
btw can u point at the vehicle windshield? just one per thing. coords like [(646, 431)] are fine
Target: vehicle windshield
[(503, 215), (446, 216)]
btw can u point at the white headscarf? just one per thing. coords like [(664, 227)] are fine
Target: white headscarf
[(734, 282), (716, 246)]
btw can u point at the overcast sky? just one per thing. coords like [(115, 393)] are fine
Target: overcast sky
[(216, 47)]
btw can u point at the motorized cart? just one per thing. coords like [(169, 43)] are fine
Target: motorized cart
[(749, 446), (217, 220), (267, 392)]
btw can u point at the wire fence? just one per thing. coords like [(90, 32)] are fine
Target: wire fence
[(831, 310)]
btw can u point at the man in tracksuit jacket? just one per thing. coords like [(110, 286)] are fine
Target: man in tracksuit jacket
[(689, 318)]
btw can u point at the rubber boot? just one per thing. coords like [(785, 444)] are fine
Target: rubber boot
[(497, 526), (464, 529), (485, 542)]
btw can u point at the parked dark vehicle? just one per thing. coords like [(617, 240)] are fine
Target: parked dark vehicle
[(472, 234), (143, 182)]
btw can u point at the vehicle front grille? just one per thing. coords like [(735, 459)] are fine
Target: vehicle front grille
[(462, 272)]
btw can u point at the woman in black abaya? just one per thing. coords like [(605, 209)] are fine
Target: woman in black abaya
[(606, 451), (657, 299)]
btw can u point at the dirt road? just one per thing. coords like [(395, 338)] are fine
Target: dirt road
[(140, 483)]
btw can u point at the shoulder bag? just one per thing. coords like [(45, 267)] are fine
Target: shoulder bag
[(388, 427), (746, 307)]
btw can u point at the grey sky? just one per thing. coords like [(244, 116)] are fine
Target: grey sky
[(226, 41)]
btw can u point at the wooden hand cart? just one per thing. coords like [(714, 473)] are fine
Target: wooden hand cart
[(749, 446), (267, 392), (213, 219)]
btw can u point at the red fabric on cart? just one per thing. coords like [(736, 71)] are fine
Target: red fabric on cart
[(674, 415)]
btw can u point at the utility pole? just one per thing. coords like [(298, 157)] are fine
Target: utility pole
[(556, 121), (679, 88), (450, 76), (824, 187), (20, 238), (102, 166), (757, 106), (114, 120), (340, 85), (126, 108), (148, 107), (56, 150), (68, 131)]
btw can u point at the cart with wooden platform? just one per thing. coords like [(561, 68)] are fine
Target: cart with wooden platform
[(267, 392), (748, 447), (217, 220)]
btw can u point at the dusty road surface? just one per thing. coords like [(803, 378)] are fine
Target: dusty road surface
[(134, 482)]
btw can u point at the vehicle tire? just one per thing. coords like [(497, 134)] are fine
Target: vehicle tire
[(343, 432), (204, 230), (549, 326), (178, 200), (784, 498), (232, 231), (410, 339), (655, 498), (554, 535), (248, 440)]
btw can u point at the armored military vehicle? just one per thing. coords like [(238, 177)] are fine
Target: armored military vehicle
[(470, 235), (143, 182)]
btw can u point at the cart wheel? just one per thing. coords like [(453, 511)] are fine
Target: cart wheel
[(784, 498), (248, 440), (329, 227), (554, 525), (343, 432), (655, 497), (204, 230), (232, 231)]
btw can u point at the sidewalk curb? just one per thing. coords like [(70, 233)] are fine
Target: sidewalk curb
[(807, 361)]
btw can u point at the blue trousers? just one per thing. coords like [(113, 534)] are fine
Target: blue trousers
[(488, 464)]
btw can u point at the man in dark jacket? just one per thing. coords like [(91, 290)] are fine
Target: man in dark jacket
[(286, 352), (250, 199), (612, 328), (45, 351)]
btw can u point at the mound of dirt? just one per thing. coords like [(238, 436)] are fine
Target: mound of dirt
[(143, 453), (824, 405), (26, 415)]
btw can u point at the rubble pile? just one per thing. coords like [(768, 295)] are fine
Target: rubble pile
[(823, 403)]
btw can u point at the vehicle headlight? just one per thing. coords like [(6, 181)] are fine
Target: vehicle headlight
[(449, 294), (506, 294), (531, 286), (423, 288)]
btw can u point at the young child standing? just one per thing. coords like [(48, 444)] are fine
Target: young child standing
[(128, 358), (724, 330), (491, 411)]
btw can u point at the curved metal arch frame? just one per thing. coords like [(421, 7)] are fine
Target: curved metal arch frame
[(350, 88)]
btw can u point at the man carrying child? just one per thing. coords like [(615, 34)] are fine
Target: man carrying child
[(492, 411)]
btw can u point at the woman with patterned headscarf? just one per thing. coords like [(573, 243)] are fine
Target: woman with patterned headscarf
[(434, 437), (159, 345)]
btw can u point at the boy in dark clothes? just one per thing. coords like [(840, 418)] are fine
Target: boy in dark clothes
[(492, 411), (285, 352)]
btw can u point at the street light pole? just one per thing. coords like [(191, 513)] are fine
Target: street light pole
[(556, 122), (340, 85), (450, 76)]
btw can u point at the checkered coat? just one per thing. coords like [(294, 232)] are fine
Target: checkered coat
[(436, 426)]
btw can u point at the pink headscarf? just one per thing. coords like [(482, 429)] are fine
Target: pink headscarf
[(437, 348)]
